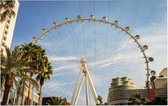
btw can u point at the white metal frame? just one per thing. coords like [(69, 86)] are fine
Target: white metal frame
[(88, 82)]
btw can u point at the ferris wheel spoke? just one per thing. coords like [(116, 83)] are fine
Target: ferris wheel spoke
[(65, 79)]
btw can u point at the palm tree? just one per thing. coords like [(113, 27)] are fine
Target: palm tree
[(100, 99), (138, 99), (45, 71), (14, 65), (8, 6), (33, 53), (65, 102), (57, 101)]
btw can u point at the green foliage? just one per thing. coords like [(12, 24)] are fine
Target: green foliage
[(24, 60), (138, 99), (33, 53), (41, 65), (57, 101), (13, 65), (45, 70), (100, 100)]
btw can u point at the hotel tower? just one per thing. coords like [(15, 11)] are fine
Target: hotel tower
[(7, 27)]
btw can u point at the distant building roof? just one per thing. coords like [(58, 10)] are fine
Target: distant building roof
[(161, 80), (163, 72)]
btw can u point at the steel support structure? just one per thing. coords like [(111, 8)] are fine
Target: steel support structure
[(88, 83)]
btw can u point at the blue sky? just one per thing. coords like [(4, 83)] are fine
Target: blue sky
[(110, 53)]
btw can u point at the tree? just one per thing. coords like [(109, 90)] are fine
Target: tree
[(100, 100), (138, 99), (34, 53), (45, 71), (57, 101), (8, 6), (14, 65)]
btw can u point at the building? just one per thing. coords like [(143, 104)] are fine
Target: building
[(33, 98), (13, 95), (7, 28), (122, 89), (118, 91), (6, 34), (161, 80)]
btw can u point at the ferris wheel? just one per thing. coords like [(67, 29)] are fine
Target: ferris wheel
[(87, 53)]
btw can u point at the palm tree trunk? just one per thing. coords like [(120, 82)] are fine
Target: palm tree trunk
[(2, 84), (18, 92), (29, 92), (23, 93), (8, 85), (40, 96), (0, 17)]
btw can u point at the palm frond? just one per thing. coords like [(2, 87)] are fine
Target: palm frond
[(29, 79), (26, 70)]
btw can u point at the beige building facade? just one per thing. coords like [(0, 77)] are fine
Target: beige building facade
[(7, 28), (122, 89), (6, 34), (161, 80)]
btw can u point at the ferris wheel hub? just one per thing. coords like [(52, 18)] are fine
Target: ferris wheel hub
[(83, 60)]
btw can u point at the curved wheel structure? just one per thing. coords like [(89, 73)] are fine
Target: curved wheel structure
[(104, 21)]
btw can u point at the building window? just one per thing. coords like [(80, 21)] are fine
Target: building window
[(8, 21), (10, 16), (7, 26), (6, 32), (4, 38), (2, 50), (3, 43)]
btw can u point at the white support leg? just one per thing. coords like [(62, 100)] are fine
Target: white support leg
[(79, 90), (91, 86), (86, 85), (76, 86)]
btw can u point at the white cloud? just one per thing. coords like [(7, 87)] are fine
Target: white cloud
[(62, 58), (67, 67)]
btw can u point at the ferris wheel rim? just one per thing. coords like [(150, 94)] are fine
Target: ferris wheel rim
[(126, 30)]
